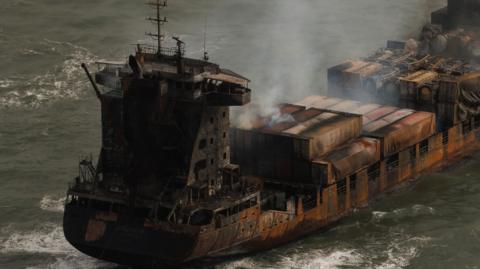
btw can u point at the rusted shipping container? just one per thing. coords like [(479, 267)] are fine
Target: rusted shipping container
[(284, 150), (449, 115), (351, 74), (450, 87), (325, 132), (337, 104), (412, 83), (378, 113), (403, 133), (320, 102), (353, 157)]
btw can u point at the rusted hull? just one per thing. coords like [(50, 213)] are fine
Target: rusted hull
[(134, 241)]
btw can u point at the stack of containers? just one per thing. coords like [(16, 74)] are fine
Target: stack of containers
[(284, 147)]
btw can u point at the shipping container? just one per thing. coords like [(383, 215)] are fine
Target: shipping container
[(283, 151), (404, 133), (353, 157), (327, 131), (378, 113), (449, 115), (410, 84)]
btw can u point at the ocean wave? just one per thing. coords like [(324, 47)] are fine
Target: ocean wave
[(393, 250), (30, 52), (400, 213), (47, 239), (313, 259), (74, 262), (62, 81), (48, 203), (6, 83), (401, 252)]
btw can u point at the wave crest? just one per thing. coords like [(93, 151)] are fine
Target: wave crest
[(62, 81), (48, 203)]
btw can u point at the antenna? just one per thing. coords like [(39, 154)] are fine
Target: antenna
[(159, 21), (205, 53)]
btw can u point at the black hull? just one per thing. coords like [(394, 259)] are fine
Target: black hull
[(127, 241)]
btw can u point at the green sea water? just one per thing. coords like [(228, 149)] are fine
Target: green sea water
[(49, 118)]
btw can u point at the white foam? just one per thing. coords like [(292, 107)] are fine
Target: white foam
[(47, 239), (399, 213), (51, 204), (6, 83), (74, 262), (401, 252), (320, 259), (30, 52), (62, 81), (311, 259)]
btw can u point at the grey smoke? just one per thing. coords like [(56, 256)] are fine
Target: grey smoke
[(285, 46)]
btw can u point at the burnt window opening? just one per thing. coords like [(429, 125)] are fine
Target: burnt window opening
[(202, 144), (392, 163), (224, 114), (445, 138), (211, 120), (353, 182), (200, 165), (373, 172), (211, 141), (424, 147), (224, 155), (211, 161), (342, 187), (224, 134), (466, 127), (413, 153)]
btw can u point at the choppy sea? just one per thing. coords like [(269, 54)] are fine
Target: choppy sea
[(49, 118)]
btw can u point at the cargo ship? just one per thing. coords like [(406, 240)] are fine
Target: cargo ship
[(174, 182)]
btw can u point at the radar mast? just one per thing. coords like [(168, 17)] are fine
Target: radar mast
[(159, 22)]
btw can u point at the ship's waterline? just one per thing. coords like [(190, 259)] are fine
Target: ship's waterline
[(426, 226)]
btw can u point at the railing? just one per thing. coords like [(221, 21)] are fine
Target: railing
[(172, 51)]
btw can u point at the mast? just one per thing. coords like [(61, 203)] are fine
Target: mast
[(159, 21)]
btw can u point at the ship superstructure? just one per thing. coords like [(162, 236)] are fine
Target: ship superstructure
[(174, 182)]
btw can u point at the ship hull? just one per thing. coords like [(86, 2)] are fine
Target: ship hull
[(124, 239), (129, 240)]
